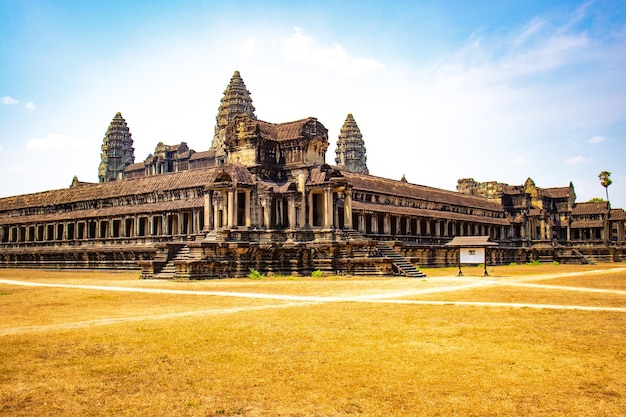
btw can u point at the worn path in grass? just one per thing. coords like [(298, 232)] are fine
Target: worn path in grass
[(457, 284)]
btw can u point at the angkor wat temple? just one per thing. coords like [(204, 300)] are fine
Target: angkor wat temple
[(263, 197)]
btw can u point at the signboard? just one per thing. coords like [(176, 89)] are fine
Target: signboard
[(472, 255)]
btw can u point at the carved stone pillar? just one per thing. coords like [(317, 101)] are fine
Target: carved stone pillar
[(247, 215), (208, 220), (310, 209), (328, 208), (291, 201), (347, 210), (267, 214), (230, 208)]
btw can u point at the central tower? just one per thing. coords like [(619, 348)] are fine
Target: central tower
[(236, 101)]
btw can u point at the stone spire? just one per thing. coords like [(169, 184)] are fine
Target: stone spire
[(351, 148), (117, 150), (236, 101)]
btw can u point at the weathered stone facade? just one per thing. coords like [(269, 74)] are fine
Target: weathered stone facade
[(263, 197)]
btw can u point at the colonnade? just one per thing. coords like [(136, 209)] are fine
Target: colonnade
[(184, 222), (227, 205), (377, 223)]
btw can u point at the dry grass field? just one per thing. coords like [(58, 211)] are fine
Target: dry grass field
[(528, 340)]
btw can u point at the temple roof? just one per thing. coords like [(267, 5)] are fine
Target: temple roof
[(130, 187), (589, 208), (557, 192), (617, 214), (363, 182), (287, 131), (434, 214)]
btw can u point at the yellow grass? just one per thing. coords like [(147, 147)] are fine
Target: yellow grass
[(209, 355)]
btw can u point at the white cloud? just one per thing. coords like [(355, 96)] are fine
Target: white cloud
[(30, 105), (577, 160), (300, 47), (597, 139), (9, 100), (248, 47), (55, 142)]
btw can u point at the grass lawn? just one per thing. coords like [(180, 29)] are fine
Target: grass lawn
[(90, 352)]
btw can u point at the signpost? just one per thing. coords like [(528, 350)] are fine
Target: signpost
[(472, 251)]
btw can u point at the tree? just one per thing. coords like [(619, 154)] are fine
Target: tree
[(605, 180)]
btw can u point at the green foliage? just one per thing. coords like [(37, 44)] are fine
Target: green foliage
[(605, 180), (555, 263), (534, 262), (255, 274), (317, 274), (513, 264), (480, 265), (597, 200)]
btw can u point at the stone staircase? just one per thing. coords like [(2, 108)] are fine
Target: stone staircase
[(404, 267), (175, 254)]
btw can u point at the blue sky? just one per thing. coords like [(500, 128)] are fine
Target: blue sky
[(441, 90)]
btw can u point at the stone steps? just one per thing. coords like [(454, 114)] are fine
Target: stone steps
[(403, 266), (169, 270)]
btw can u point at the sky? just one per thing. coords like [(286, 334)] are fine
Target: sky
[(441, 90)]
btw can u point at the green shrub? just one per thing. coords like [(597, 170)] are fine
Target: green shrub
[(534, 262), (555, 262), (513, 264), (255, 274), (317, 274)]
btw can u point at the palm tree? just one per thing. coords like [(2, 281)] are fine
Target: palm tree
[(605, 180)]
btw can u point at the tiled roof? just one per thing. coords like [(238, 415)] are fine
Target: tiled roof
[(135, 167), (513, 189), (589, 208), (434, 214), (147, 208), (210, 154), (617, 214), (471, 241), (284, 131), (556, 192), (130, 187), (363, 182)]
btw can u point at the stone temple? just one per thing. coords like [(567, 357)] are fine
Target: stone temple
[(263, 197)]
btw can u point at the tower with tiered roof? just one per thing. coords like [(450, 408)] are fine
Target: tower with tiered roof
[(236, 101), (351, 148), (117, 150)]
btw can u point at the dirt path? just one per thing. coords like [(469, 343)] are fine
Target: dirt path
[(462, 283)]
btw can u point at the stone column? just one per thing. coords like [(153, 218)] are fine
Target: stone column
[(230, 208), (311, 209), (267, 213), (328, 208), (247, 196), (208, 221), (347, 210), (291, 202)]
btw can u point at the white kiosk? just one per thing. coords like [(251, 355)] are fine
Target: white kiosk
[(472, 250)]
